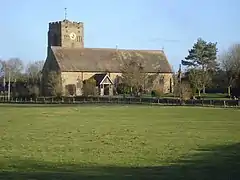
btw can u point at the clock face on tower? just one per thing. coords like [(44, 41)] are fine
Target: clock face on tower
[(72, 36)]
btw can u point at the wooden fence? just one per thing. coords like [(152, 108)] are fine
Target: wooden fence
[(127, 100)]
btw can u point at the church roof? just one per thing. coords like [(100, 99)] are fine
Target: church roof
[(101, 59)]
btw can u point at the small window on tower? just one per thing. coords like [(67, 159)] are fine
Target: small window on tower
[(79, 38)]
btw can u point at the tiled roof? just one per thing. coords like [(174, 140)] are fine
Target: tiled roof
[(101, 59)]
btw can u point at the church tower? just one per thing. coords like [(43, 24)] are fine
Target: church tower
[(66, 34)]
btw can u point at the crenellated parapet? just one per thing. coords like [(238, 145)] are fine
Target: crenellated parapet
[(66, 23)]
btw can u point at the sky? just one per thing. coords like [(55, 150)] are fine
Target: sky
[(172, 25)]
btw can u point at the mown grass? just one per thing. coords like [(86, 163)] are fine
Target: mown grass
[(118, 142)]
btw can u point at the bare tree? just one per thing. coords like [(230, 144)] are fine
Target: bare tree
[(89, 87), (150, 78), (33, 73), (34, 69), (14, 68), (1, 66), (195, 78), (12, 71), (132, 68), (54, 84), (181, 88), (230, 63)]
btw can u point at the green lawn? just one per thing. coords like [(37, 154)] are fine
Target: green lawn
[(118, 142)]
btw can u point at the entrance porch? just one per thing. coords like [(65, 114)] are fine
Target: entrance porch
[(104, 84)]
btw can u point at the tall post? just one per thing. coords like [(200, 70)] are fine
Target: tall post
[(4, 82), (9, 85), (180, 81)]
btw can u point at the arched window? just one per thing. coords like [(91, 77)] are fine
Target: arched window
[(79, 83), (171, 88)]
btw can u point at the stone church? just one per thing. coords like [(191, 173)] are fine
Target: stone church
[(67, 55)]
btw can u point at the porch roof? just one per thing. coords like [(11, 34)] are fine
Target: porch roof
[(99, 78)]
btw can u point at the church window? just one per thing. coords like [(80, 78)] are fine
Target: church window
[(161, 80), (79, 84), (79, 39), (170, 85)]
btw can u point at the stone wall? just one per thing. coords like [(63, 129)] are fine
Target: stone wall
[(74, 77)]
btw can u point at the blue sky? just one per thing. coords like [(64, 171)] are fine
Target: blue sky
[(132, 24)]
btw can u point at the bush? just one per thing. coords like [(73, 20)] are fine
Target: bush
[(157, 93), (186, 91), (89, 87)]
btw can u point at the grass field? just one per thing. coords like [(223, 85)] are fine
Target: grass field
[(119, 142)]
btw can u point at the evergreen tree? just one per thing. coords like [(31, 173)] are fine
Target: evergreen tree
[(202, 57)]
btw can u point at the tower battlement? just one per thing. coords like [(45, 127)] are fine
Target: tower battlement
[(66, 22), (56, 24)]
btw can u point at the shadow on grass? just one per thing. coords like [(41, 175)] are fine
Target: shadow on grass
[(220, 163)]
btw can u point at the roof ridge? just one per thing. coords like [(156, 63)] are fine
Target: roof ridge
[(110, 49)]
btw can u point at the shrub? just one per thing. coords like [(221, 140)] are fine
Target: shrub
[(157, 93), (89, 87)]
